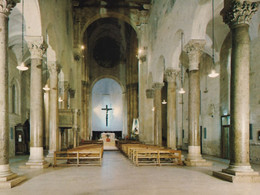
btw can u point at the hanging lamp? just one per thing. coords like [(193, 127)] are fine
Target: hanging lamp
[(164, 102), (213, 73), (181, 91), (22, 66)]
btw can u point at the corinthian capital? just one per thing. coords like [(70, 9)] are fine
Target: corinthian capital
[(194, 49), (170, 74), (239, 13), (7, 5), (36, 46)]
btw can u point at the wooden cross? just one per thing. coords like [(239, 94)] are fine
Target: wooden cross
[(107, 109)]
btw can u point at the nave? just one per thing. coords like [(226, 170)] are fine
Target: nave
[(118, 175)]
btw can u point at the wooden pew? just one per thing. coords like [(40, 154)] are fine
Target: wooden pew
[(155, 156), (145, 157), (82, 155), (120, 143), (169, 157)]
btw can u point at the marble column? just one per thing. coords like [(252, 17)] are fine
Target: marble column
[(158, 113), (7, 177), (54, 112), (170, 75), (194, 50), (36, 48), (238, 15)]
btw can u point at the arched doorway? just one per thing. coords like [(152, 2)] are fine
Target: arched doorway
[(107, 108)]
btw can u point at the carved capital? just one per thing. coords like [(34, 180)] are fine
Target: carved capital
[(7, 5), (158, 86), (36, 46), (239, 13), (194, 49), (170, 74), (149, 93)]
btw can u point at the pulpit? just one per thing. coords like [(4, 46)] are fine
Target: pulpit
[(109, 141)]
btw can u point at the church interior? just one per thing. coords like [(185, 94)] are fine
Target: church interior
[(122, 84)]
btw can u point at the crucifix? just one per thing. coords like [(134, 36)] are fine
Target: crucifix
[(107, 109)]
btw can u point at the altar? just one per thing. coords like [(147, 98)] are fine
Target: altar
[(109, 141)]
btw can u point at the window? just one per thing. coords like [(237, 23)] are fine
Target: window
[(14, 99)]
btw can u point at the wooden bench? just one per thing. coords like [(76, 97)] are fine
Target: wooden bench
[(169, 157), (145, 157), (143, 146), (155, 156), (82, 155), (120, 143)]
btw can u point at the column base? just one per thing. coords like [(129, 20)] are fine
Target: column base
[(237, 177), (40, 165), (36, 159), (9, 179), (198, 163), (49, 158), (195, 159)]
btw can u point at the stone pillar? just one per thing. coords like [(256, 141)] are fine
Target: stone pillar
[(54, 111), (238, 15), (85, 131), (171, 107), (149, 117), (157, 113), (7, 177), (194, 158), (36, 48), (75, 134), (47, 117)]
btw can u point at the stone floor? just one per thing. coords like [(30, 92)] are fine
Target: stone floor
[(119, 176)]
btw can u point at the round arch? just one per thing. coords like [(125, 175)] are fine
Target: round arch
[(108, 15), (107, 77), (107, 93)]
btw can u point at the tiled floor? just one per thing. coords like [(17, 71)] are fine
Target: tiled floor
[(119, 176)]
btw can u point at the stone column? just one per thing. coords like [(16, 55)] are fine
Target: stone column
[(7, 177), (171, 107), (194, 158), (238, 15), (47, 117), (85, 132), (54, 111), (36, 48), (157, 113), (149, 116)]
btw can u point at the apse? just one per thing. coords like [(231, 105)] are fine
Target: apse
[(107, 106)]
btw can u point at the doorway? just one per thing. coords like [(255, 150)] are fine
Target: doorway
[(225, 136)]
